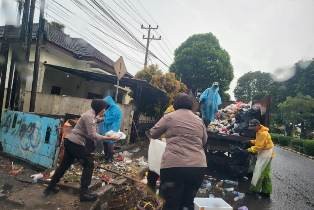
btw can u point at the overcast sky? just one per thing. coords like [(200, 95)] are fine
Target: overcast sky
[(258, 34)]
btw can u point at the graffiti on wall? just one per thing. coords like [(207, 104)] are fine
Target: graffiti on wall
[(30, 136), (28, 132)]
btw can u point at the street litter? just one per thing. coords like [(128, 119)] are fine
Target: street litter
[(126, 154), (149, 203), (141, 161), (206, 185), (229, 183), (135, 150), (37, 177), (15, 169), (238, 195), (211, 204), (243, 208), (229, 189)]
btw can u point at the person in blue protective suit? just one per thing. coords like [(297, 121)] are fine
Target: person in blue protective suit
[(112, 122), (209, 102)]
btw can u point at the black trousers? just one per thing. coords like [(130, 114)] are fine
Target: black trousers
[(108, 150), (74, 151), (178, 186), (152, 178)]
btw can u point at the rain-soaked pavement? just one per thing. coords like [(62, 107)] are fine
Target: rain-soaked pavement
[(293, 184)]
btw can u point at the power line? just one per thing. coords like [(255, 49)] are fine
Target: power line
[(99, 41), (155, 22), (103, 15), (126, 30)]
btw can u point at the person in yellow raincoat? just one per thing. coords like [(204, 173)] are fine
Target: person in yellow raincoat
[(262, 146)]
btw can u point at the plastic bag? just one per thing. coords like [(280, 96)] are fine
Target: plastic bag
[(263, 159), (113, 134), (156, 150)]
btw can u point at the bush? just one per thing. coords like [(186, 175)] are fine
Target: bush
[(297, 144), (309, 147), (275, 137), (284, 140)]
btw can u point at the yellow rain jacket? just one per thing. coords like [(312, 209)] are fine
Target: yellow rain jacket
[(262, 142)]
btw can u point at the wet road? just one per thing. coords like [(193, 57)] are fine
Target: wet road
[(293, 184)]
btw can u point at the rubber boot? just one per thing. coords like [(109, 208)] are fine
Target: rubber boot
[(85, 195), (50, 190)]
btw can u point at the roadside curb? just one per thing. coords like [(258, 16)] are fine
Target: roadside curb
[(294, 151)]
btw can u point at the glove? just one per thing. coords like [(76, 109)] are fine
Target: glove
[(250, 150)]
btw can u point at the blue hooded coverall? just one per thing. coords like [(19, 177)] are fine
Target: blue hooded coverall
[(112, 121), (210, 100)]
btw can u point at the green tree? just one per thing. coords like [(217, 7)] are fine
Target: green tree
[(302, 81), (253, 85), (200, 61), (148, 73), (298, 109)]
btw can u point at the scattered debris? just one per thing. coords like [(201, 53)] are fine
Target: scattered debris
[(37, 177), (135, 150), (238, 195), (15, 169), (2, 196), (243, 208), (149, 203)]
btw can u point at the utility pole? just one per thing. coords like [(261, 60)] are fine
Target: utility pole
[(149, 38), (4, 53), (40, 36), (24, 20), (11, 95), (30, 30)]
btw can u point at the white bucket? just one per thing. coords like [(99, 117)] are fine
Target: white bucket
[(211, 204)]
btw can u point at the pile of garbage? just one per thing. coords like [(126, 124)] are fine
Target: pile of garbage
[(234, 119)]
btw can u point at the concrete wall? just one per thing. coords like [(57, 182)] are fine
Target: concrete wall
[(31, 137)]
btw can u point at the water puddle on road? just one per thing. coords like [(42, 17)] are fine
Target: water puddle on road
[(236, 193)]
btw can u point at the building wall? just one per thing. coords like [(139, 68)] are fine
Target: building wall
[(72, 85)]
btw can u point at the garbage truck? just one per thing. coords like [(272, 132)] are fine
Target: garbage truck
[(223, 150)]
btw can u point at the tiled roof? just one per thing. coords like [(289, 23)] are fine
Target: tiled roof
[(78, 47)]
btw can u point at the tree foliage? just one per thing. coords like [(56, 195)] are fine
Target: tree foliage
[(169, 84), (148, 73), (302, 81), (298, 109), (200, 61), (253, 86), (164, 81)]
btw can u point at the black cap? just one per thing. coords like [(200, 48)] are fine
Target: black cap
[(253, 123), (98, 105)]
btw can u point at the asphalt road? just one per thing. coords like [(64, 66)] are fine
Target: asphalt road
[(293, 184)]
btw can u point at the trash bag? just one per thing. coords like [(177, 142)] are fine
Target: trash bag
[(263, 159), (156, 150)]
